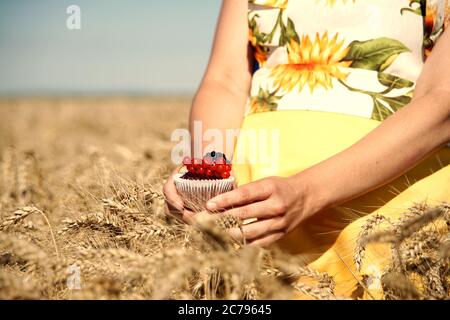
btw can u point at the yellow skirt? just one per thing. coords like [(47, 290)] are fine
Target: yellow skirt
[(304, 138)]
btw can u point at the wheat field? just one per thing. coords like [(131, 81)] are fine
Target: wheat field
[(82, 216)]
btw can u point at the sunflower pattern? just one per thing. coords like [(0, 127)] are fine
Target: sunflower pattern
[(312, 54), (312, 63)]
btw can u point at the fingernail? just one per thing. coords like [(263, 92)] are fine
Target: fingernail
[(211, 206)]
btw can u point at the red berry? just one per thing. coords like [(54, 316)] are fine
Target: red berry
[(197, 163), (206, 164), (208, 160), (212, 166), (228, 167), (218, 174), (225, 174), (200, 171), (221, 161), (220, 168), (191, 168), (187, 161), (209, 173)]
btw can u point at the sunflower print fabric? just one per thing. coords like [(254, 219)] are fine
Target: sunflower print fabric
[(357, 57)]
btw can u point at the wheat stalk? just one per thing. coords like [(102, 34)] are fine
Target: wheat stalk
[(18, 216)]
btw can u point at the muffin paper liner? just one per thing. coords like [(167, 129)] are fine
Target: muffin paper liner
[(196, 193)]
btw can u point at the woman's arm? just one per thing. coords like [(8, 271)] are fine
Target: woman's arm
[(394, 147), (220, 101)]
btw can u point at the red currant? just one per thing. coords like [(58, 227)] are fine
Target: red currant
[(206, 163), (225, 174), (200, 171), (197, 163), (218, 174), (228, 167), (187, 161), (220, 161), (209, 173), (191, 168), (220, 168)]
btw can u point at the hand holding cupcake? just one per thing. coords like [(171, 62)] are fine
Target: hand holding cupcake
[(204, 179)]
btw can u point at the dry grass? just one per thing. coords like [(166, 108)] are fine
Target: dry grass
[(80, 191)]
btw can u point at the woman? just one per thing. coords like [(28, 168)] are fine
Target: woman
[(359, 95)]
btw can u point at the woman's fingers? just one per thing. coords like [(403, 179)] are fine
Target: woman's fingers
[(267, 240), (173, 199), (260, 210), (175, 203), (241, 196), (258, 229), (188, 216)]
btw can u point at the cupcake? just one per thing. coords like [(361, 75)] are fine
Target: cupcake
[(203, 179)]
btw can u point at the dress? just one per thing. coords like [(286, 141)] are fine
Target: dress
[(327, 73)]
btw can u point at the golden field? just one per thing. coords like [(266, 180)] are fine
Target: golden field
[(82, 216)]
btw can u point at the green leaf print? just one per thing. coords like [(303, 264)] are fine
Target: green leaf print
[(264, 101), (418, 10), (384, 106), (393, 82), (375, 54), (396, 102), (288, 32), (380, 112)]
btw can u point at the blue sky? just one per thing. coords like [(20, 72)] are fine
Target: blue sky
[(124, 46)]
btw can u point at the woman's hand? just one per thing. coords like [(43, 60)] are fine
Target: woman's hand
[(174, 202), (279, 204)]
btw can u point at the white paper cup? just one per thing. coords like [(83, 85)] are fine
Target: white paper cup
[(196, 193)]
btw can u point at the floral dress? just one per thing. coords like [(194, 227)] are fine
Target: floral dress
[(368, 53), (327, 73)]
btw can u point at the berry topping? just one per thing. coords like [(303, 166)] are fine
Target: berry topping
[(186, 161), (214, 165), (197, 163), (225, 175)]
